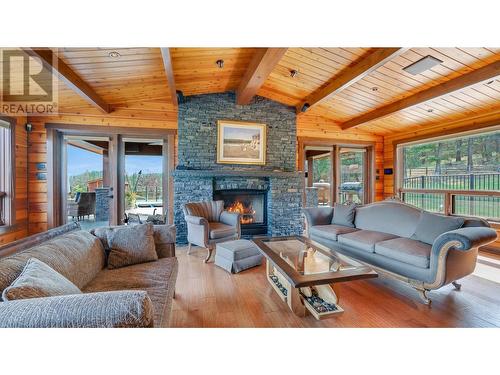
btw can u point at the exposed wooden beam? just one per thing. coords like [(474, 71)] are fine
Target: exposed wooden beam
[(69, 77), (169, 71), (262, 64), (477, 76), (350, 75)]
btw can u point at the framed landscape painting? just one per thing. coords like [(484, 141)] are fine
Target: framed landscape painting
[(241, 142)]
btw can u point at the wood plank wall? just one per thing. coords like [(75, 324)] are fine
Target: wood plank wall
[(143, 115), (20, 227), (312, 127), (428, 132)]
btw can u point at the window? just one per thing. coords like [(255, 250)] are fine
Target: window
[(6, 172), (459, 175)]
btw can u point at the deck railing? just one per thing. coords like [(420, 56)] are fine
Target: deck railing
[(481, 203), (150, 194), (470, 181)]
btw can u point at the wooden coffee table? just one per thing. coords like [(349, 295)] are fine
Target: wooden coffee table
[(304, 273)]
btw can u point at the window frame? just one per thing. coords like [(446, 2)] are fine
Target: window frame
[(398, 146), (8, 174), (449, 134)]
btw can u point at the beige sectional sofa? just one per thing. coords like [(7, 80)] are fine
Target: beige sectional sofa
[(139, 295)]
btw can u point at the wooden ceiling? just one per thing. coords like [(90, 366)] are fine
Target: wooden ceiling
[(365, 88)]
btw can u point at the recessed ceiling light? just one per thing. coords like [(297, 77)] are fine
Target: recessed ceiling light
[(374, 88), (293, 73), (114, 54), (220, 63), (422, 65)]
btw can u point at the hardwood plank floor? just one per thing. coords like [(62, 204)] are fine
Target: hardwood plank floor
[(207, 296)]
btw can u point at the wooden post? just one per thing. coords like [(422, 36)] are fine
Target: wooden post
[(422, 186), (471, 199)]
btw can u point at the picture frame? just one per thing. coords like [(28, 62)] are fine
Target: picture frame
[(240, 142)]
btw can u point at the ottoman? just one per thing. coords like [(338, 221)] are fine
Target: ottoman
[(238, 255)]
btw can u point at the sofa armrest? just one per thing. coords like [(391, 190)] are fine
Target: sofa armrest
[(197, 220), (230, 218), (92, 310), (197, 230), (318, 215), (463, 239)]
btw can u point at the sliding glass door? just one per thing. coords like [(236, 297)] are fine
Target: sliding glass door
[(87, 189), (337, 173), (144, 191), (352, 165), (319, 164)]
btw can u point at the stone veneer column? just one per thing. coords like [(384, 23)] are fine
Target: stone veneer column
[(284, 206), (102, 204)]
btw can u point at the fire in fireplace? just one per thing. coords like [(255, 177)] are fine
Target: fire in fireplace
[(245, 209), (250, 204)]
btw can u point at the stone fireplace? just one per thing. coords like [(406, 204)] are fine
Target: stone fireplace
[(269, 196)]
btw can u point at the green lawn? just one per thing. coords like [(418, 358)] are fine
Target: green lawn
[(487, 207)]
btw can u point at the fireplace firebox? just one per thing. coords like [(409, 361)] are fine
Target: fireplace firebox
[(252, 206)]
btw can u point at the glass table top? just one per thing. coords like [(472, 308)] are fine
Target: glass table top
[(307, 259)]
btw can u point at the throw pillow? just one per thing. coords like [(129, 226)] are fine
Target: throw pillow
[(431, 226), (131, 244), (343, 214), (38, 280)]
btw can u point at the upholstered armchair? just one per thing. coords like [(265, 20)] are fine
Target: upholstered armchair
[(208, 224)]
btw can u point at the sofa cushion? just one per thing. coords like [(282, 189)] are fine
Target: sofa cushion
[(364, 239), (330, 232), (163, 235), (406, 250), (156, 278), (120, 309), (343, 214), (38, 280), (389, 217), (431, 226), (219, 230), (131, 245), (78, 256)]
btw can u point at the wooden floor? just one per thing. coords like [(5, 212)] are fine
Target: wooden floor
[(207, 296)]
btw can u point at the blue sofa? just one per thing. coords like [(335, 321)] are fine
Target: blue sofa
[(382, 235)]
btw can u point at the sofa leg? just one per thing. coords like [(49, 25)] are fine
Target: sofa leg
[(457, 285), (423, 295), (189, 248), (208, 255)]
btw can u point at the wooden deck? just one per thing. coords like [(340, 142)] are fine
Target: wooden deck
[(207, 296)]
